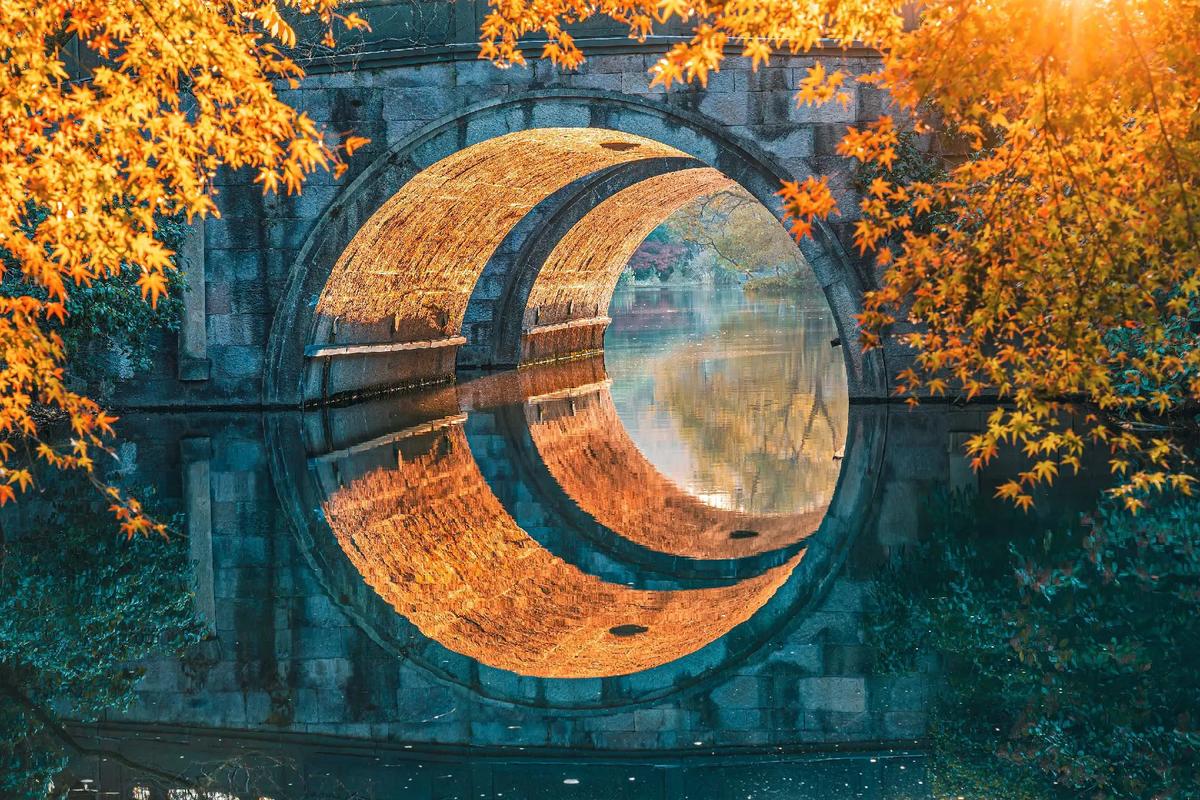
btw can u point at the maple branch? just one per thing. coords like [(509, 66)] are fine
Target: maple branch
[(1162, 125)]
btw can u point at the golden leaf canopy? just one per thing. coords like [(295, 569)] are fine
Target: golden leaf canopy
[(117, 114), (1054, 257)]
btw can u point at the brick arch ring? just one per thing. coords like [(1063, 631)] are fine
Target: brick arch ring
[(351, 276), (498, 222)]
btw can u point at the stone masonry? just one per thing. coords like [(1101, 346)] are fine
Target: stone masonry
[(397, 95)]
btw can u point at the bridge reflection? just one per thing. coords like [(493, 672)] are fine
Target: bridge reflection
[(591, 456), (430, 537), (513, 520)]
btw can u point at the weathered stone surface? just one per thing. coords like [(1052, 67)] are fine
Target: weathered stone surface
[(838, 694)]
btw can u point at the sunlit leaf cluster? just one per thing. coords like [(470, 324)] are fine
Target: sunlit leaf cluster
[(117, 114), (1070, 210)]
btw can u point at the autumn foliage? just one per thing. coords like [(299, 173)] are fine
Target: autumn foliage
[(117, 114), (1071, 212)]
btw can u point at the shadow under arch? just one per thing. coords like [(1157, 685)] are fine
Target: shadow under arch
[(762, 606), (670, 132)]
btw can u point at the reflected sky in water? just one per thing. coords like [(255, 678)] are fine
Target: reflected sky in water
[(740, 400)]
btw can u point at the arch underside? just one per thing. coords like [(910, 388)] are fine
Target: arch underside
[(392, 311), (565, 310)]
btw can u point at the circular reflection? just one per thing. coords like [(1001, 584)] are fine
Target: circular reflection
[(410, 537), (433, 541), (444, 530)]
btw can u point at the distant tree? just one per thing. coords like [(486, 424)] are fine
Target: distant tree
[(739, 231), (1076, 214), (658, 257)]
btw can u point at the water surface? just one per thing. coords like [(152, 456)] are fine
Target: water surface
[(686, 569)]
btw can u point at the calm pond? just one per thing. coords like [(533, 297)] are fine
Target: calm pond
[(691, 567)]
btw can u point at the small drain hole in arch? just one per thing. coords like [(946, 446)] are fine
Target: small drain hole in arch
[(627, 630), (620, 147), (743, 534)]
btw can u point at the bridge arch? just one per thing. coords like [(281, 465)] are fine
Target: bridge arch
[(357, 264)]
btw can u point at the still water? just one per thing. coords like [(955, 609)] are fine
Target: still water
[(739, 401), (604, 517), (688, 568)]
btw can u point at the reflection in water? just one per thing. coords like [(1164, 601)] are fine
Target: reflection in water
[(1059, 660), (591, 456), (425, 525), (430, 537), (740, 401)]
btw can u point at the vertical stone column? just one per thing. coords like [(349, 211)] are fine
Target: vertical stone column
[(197, 502), (193, 330)]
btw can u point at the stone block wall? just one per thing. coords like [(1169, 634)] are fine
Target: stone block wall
[(286, 658)]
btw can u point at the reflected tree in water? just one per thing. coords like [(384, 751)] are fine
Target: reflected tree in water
[(774, 443), (79, 604), (1068, 652)]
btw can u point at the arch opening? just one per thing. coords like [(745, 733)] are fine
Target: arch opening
[(316, 357), (392, 309), (430, 262), (566, 311)]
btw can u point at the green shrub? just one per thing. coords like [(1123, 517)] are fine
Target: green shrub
[(79, 605), (1068, 654)]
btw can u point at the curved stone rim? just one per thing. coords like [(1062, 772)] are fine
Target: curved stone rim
[(801, 592), (689, 132)]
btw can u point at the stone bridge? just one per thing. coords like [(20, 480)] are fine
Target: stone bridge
[(485, 224)]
